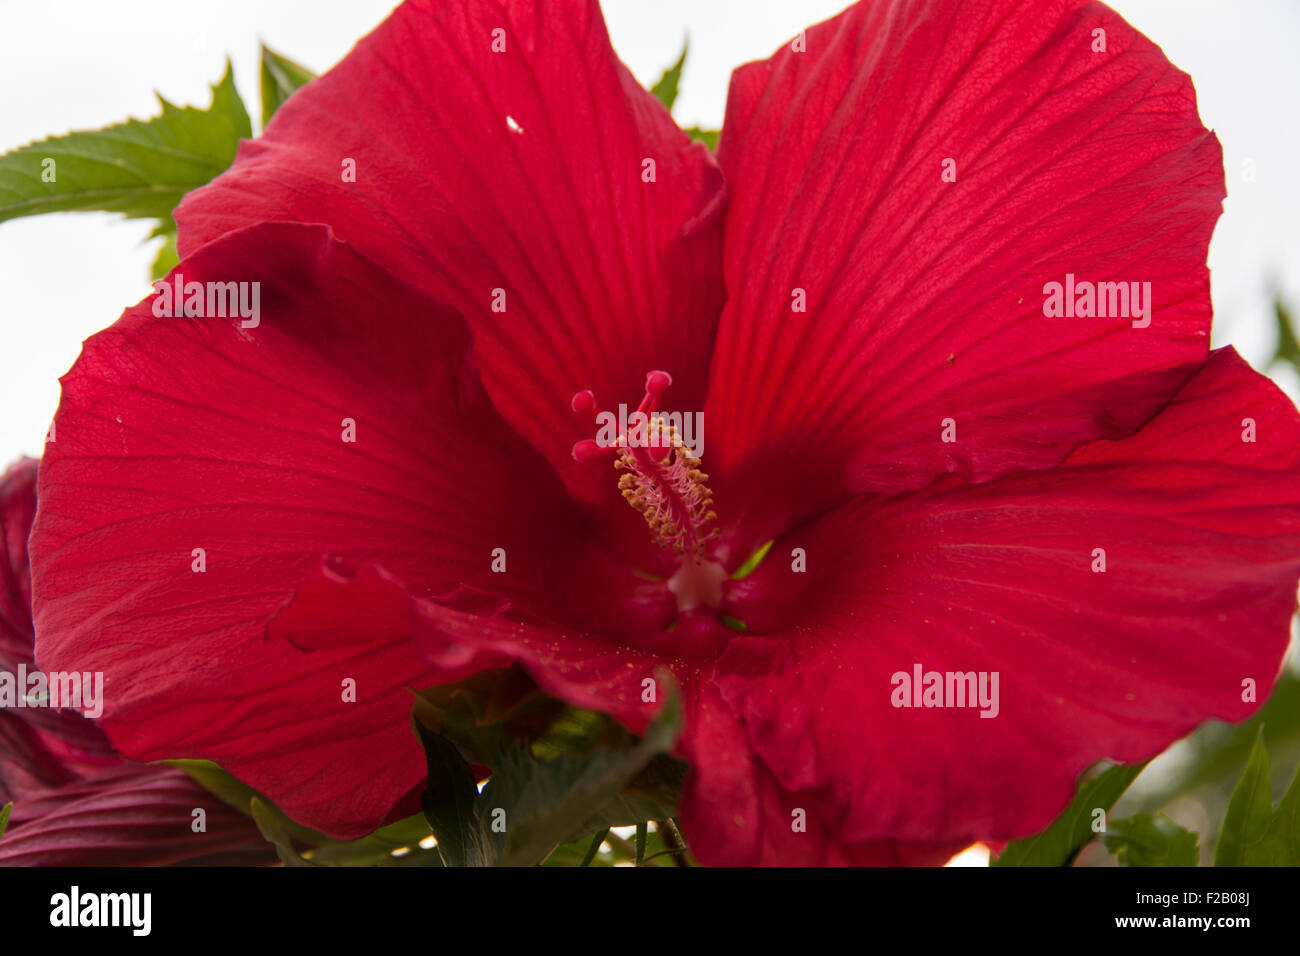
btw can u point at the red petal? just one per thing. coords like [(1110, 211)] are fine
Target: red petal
[(734, 813), (924, 297), (132, 815), (1201, 532), (40, 747), (17, 509), (587, 670), (27, 768), (176, 434), (605, 276)]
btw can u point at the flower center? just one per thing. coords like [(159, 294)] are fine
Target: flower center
[(661, 477)]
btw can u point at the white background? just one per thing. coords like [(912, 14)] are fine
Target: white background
[(85, 64)]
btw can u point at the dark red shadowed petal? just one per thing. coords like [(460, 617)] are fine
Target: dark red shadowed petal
[(599, 672), (131, 815), (734, 813), (40, 747), (924, 298), (26, 765), (179, 433), (1201, 534), (17, 509), (519, 171), (75, 802)]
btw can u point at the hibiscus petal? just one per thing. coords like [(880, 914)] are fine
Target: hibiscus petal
[(176, 434), (40, 746), (734, 813), (1201, 534), (587, 670), (925, 298), (26, 768), (132, 815), (17, 508), (519, 170)]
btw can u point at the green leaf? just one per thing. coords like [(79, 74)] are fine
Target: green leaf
[(453, 717), (560, 773), (626, 811), (449, 800), (1218, 751), (377, 848), (138, 168), (594, 848), (709, 137), (549, 803), (4, 816), (372, 850), (281, 77), (1281, 843), (483, 714), (167, 258), (1254, 834), (268, 822), (1146, 840), (574, 730), (1249, 808), (666, 89), (1288, 348), (1061, 841), (581, 853), (241, 796)]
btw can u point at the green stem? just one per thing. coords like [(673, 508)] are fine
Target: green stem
[(642, 831), (672, 838)]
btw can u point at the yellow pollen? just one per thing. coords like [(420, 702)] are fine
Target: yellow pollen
[(671, 493)]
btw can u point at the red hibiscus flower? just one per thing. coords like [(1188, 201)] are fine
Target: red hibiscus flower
[(264, 531), (76, 801)]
